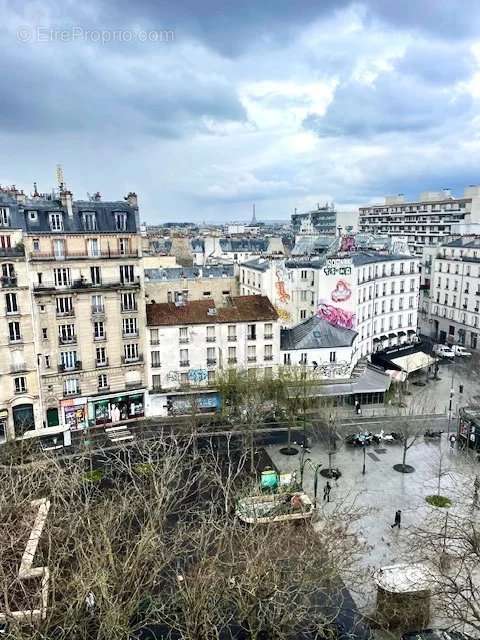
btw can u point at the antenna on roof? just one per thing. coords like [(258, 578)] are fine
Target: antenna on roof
[(60, 177)]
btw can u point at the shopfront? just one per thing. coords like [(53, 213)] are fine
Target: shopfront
[(469, 428), (116, 408), (74, 412)]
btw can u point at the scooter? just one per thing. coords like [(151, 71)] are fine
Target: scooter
[(432, 434)]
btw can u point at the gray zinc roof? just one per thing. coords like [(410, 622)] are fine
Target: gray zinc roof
[(316, 333)]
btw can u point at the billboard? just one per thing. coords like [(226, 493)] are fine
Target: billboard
[(336, 300)]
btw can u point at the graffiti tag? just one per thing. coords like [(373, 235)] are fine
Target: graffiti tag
[(335, 316)]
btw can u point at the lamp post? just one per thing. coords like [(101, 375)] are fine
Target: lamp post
[(364, 460), (303, 462), (315, 485)]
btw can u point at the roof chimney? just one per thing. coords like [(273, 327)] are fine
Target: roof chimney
[(132, 199), (67, 201)]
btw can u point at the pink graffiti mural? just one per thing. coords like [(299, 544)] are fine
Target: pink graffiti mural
[(341, 292), (347, 244), (283, 296), (336, 316)]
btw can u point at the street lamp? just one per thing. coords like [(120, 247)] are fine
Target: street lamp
[(302, 468), (315, 485), (364, 460)]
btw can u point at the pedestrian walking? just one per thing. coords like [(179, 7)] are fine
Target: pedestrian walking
[(452, 439), (326, 492), (398, 519)]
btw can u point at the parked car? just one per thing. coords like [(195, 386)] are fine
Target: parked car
[(443, 351), (435, 634), (461, 351)]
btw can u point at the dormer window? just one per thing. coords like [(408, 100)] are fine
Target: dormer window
[(90, 221), (56, 222), (120, 221), (4, 217), (32, 216)]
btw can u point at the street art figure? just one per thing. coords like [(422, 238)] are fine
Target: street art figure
[(283, 295), (173, 376), (341, 292), (284, 316), (197, 375), (335, 316), (347, 244)]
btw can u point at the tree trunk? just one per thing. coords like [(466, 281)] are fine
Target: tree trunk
[(404, 452)]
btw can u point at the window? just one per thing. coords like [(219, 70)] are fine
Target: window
[(130, 351), (14, 332), (154, 339), (303, 358), (59, 248), (20, 384), (303, 314), (268, 354), (62, 277), (47, 362), (4, 217), (333, 356), (252, 353), (71, 387), (392, 287), (183, 335), (123, 246), (120, 221), (184, 358), (11, 303), (44, 333), (400, 303), (98, 330), (211, 359), (286, 359), (303, 296), (184, 378), (156, 382), (207, 294), (232, 332), (101, 356), (251, 332), (66, 333), (56, 221), (129, 326), (102, 381), (95, 275), (211, 334), (64, 306), (129, 302), (127, 273), (211, 376), (268, 372), (97, 304), (36, 244), (155, 359), (68, 360), (232, 355), (93, 247), (89, 221), (268, 331)]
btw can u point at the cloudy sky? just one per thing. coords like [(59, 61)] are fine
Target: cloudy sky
[(204, 107)]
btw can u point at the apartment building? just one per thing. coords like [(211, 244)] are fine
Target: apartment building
[(180, 284), (20, 403), (319, 221), (450, 303), (426, 222), (85, 281), (215, 250), (189, 343), (374, 293)]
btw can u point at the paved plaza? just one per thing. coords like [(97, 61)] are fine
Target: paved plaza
[(381, 491)]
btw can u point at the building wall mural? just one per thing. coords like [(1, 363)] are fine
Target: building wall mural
[(336, 303), (283, 293)]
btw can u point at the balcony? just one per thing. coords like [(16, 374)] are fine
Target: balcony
[(69, 393), (105, 388), (18, 368), (8, 281), (16, 340), (85, 285), (40, 256), (211, 339), (67, 368), (129, 336), (102, 363), (132, 359), (67, 340), (12, 252), (184, 363), (156, 365), (129, 308), (268, 336), (252, 336), (211, 362), (100, 338), (232, 338), (70, 313), (252, 359), (232, 361), (268, 358), (184, 340), (155, 342)]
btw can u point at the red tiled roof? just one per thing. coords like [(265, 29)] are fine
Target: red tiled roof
[(241, 309)]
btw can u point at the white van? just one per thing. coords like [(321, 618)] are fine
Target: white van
[(443, 351)]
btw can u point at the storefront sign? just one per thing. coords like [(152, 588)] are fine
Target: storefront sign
[(338, 267), (116, 409)]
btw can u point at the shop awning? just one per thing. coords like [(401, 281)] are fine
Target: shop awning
[(392, 335), (383, 337), (376, 340), (414, 361), (402, 333), (398, 376), (410, 331)]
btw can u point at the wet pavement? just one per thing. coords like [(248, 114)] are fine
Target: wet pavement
[(380, 492)]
